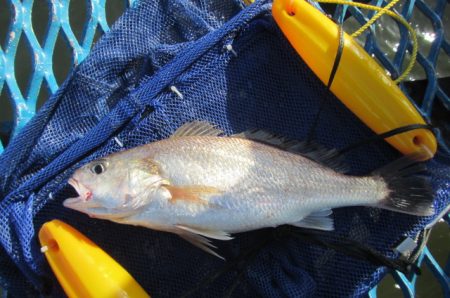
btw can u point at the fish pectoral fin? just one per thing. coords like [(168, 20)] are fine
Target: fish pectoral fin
[(320, 220), (191, 193), (214, 234), (197, 128), (200, 242)]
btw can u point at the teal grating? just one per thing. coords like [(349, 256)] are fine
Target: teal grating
[(434, 53), (21, 25), (434, 102), (408, 284)]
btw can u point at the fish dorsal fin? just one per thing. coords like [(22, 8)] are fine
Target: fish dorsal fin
[(311, 150), (320, 220), (264, 137), (197, 128)]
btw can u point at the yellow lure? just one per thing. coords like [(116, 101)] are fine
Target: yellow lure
[(82, 268), (360, 83)]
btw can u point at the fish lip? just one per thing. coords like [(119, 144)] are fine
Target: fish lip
[(71, 202), (80, 189), (76, 185), (73, 182)]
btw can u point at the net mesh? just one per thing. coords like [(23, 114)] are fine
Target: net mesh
[(120, 97)]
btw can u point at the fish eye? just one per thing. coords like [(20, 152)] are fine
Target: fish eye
[(98, 168)]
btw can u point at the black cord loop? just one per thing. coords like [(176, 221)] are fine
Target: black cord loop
[(385, 135)]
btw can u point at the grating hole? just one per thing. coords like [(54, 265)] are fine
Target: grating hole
[(62, 58), (446, 20), (44, 94), (427, 284), (416, 89), (440, 118), (425, 32), (23, 65), (78, 17), (387, 287), (6, 117), (40, 18), (350, 25), (443, 63), (5, 14), (114, 9), (98, 33), (444, 83), (440, 234), (417, 72), (329, 8), (387, 35)]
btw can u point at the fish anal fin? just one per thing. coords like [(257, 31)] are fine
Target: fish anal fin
[(214, 234), (320, 220), (200, 242), (311, 150), (191, 193), (197, 128)]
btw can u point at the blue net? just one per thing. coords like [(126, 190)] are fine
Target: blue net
[(122, 96)]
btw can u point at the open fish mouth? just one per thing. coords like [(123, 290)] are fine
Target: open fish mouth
[(84, 194)]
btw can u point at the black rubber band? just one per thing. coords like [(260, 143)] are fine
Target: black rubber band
[(337, 59), (385, 135)]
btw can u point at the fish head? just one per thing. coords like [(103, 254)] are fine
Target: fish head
[(114, 187)]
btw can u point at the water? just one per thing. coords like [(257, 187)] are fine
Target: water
[(387, 35)]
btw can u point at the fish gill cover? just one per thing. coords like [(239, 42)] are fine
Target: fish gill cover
[(165, 63)]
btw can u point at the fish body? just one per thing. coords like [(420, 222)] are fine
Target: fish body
[(254, 185), (197, 184)]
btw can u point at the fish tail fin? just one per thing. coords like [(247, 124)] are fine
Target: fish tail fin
[(407, 192)]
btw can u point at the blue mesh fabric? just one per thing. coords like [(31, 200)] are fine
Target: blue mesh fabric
[(122, 90)]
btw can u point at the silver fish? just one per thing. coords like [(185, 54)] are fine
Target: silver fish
[(197, 184)]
